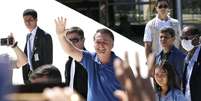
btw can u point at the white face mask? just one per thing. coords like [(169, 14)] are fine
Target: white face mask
[(187, 44)]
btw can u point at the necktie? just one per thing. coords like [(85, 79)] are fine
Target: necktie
[(29, 50)]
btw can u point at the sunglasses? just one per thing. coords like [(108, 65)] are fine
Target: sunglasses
[(162, 6), (74, 40), (187, 37)]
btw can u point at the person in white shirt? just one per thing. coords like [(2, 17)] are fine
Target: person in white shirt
[(162, 19), (75, 74)]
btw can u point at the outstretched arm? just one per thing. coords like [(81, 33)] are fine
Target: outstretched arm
[(67, 46), (21, 57)]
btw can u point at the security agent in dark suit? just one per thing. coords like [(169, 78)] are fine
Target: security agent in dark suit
[(192, 73), (75, 74), (38, 48)]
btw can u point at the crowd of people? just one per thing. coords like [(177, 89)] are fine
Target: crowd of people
[(173, 74)]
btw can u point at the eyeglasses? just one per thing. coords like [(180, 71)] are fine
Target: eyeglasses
[(187, 37), (74, 40), (162, 6)]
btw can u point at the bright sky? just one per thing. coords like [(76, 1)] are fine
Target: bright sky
[(12, 21)]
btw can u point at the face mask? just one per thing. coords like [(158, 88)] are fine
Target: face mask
[(187, 44)]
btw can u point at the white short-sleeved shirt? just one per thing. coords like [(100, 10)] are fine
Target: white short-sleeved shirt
[(158, 24), (152, 29)]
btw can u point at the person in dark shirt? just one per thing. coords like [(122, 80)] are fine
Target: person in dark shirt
[(75, 74)]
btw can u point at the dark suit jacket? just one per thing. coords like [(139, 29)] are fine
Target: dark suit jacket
[(80, 77), (44, 48), (195, 80)]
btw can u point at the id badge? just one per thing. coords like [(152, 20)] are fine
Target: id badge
[(36, 57)]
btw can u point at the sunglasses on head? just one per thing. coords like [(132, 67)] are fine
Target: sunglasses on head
[(74, 40), (162, 6)]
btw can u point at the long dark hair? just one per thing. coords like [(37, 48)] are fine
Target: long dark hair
[(171, 76)]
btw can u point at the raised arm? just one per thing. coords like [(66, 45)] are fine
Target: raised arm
[(67, 46), (21, 57)]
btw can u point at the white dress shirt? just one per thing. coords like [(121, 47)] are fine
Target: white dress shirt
[(72, 73), (30, 43), (191, 63)]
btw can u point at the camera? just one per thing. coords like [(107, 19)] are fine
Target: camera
[(6, 41)]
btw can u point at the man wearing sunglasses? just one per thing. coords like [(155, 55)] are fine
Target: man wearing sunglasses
[(75, 74), (152, 29), (192, 72)]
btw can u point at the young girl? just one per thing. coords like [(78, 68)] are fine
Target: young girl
[(165, 84)]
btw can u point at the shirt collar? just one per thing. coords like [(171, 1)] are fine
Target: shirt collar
[(157, 18), (169, 94), (113, 56), (195, 55), (173, 49), (33, 32)]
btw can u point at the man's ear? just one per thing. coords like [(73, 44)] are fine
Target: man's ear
[(196, 41), (83, 39)]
